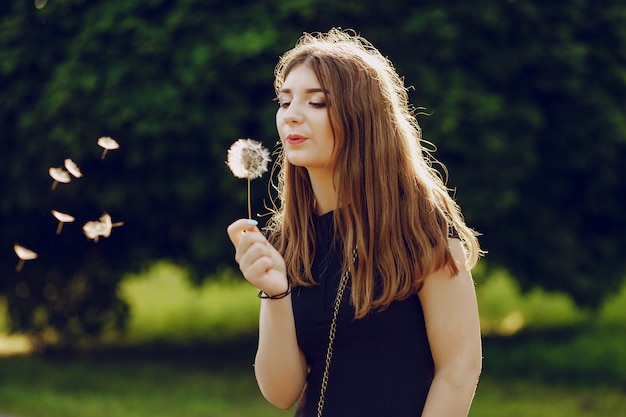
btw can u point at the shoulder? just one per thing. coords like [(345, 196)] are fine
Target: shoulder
[(443, 283)]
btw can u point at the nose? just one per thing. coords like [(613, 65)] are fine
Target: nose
[(292, 114)]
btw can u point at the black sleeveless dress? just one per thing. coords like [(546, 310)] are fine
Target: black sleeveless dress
[(381, 365)]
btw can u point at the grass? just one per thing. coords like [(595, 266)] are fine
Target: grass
[(128, 386), (188, 352), (190, 384), (524, 398)]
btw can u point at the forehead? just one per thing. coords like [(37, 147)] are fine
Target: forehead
[(300, 76)]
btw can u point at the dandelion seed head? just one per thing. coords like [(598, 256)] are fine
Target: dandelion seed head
[(247, 158)]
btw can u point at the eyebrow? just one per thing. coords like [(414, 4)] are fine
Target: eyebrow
[(307, 91)]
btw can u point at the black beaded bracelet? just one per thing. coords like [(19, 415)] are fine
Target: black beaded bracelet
[(277, 296)]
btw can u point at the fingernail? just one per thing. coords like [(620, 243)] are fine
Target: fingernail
[(252, 222)]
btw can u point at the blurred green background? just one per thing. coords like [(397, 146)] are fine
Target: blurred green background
[(525, 101)]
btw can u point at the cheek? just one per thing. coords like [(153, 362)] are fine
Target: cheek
[(329, 126), (330, 133), (278, 124)]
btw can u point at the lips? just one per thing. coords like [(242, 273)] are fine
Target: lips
[(294, 139)]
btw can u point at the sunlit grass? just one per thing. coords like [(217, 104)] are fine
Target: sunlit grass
[(128, 387), (193, 386), (523, 398)]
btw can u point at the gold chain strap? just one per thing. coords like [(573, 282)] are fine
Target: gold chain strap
[(331, 336)]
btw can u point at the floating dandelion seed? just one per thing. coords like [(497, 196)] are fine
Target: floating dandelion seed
[(72, 168), (62, 218), (102, 227), (108, 144), (59, 175), (105, 219), (93, 230), (24, 254), (248, 159)]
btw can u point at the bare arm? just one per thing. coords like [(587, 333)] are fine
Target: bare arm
[(453, 327), (280, 366)]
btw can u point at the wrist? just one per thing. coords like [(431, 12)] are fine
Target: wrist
[(278, 296)]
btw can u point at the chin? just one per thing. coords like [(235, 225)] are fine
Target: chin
[(295, 158)]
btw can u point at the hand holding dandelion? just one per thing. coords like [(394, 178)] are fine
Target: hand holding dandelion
[(248, 159)]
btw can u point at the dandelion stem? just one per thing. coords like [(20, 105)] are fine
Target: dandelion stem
[(249, 204)]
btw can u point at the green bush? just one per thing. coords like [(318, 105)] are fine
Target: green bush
[(166, 307), (506, 310)]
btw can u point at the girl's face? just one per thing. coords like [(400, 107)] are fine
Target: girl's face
[(302, 121)]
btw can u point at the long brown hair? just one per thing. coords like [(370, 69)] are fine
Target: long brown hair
[(393, 206)]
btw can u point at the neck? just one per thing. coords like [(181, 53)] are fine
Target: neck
[(322, 183)]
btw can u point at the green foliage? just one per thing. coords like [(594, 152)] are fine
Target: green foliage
[(527, 102), (528, 109), (165, 308), (504, 310)]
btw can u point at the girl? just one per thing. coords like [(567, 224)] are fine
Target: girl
[(368, 306)]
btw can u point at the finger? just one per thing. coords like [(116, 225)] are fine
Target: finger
[(238, 227), (247, 240), (251, 246), (256, 269), (253, 259)]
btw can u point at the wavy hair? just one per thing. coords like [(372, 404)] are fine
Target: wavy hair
[(393, 206)]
